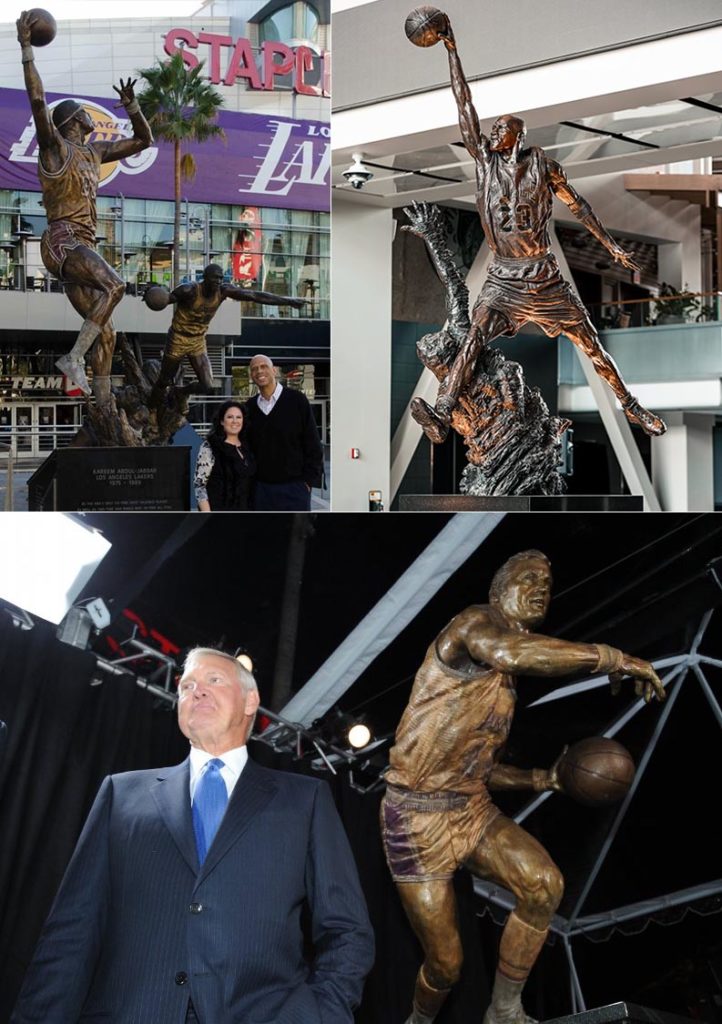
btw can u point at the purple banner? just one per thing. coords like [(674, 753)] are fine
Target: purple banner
[(265, 161)]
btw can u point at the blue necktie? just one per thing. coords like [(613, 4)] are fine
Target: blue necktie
[(209, 805)]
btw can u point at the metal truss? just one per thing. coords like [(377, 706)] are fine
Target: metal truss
[(682, 668)]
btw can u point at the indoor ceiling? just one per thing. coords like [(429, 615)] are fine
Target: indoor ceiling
[(650, 135)]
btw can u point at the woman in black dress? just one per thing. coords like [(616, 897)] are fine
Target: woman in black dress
[(225, 465)]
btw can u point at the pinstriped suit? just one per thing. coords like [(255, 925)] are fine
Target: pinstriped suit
[(137, 928)]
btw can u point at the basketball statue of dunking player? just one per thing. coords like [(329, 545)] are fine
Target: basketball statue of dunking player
[(196, 305), (524, 283), (437, 814), (69, 170)]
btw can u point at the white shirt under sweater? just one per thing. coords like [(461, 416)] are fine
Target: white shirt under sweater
[(234, 761), (266, 404)]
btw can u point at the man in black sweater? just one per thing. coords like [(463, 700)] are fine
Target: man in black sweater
[(284, 438)]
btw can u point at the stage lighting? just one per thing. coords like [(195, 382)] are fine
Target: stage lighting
[(359, 735), (47, 560), (246, 660), (80, 621)]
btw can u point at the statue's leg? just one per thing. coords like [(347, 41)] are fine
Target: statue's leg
[(486, 324), (204, 371), (510, 856), (431, 908), (94, 290), (168, 369), (585, 337)]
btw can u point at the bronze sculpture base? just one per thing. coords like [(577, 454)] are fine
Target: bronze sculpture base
[(521, 503)]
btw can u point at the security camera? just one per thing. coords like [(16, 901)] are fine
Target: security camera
[(357, 175)]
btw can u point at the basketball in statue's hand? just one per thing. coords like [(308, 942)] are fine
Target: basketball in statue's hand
[(156, 297), (596, 771), (43, 27), (424, 24)]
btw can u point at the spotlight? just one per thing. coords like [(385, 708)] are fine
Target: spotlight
[(80, 621), (359, 735), (243, 658), (357, 174), (45, 566)]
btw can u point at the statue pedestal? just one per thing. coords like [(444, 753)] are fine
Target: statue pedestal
[(621, 1013), (112, 480), (521, 503)]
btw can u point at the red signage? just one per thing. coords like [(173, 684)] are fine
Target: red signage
[(229, 61)]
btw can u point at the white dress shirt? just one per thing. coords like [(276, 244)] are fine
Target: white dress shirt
[(266, 404), (234, 761)]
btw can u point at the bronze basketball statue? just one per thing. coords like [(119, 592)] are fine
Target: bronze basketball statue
[(69, 170), (524, 283), (195, 307), (437, 814)]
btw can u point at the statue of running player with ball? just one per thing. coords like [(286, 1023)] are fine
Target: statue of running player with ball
[(69, 171), (437, 814), (524, 285), (195, 306)]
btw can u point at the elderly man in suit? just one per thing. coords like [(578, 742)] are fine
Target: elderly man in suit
[(183, 899)]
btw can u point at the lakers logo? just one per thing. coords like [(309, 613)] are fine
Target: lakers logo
[(108, 126)]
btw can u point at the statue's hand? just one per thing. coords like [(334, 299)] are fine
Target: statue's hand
[(647, 683), (420, 218), (447, 35), (126, 91), (24, 26), (620, 255), (553, 773)]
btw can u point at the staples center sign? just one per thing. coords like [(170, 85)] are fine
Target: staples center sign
[(229, 62)]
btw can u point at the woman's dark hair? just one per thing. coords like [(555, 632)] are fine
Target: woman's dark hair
[(217, 433)]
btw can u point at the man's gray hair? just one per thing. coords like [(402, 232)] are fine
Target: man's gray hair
[(245, 678), (262, 355)]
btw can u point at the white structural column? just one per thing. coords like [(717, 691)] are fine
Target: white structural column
[(360, 354), (682, 463), (409, 433), (614, 420), (461, 536)]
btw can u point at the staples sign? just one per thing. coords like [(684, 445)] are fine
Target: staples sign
[(230, 61)]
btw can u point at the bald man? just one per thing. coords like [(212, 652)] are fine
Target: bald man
[(284, 437)]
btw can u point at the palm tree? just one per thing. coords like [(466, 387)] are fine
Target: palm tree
[(181, 107)]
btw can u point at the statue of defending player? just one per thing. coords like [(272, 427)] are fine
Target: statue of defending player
[(524, 282), (69, 171), (437, 814), (195, 306)]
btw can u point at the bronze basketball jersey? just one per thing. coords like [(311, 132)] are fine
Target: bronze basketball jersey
[(191, 319), (515, 204), (453, 728), (69, 194)]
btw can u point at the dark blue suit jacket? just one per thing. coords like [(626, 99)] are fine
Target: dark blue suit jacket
[(137, 927)]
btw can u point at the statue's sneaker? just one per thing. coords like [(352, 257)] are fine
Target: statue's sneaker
[(428, 419), (75, 372), (643, 418)]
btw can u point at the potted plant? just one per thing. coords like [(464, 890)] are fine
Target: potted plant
[(674, 307)]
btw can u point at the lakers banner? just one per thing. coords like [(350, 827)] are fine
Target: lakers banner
[(264, 161)]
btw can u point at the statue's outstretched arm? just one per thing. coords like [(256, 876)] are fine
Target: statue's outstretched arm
[(471, 135), (44, 127), (585, 214), (426, 221)]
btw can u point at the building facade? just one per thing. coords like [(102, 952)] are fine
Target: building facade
[(258, 204)]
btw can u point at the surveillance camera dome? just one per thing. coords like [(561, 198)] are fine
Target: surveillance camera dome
[(357, 174)]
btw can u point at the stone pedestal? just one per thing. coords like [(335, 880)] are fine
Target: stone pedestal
[(621, 1013), (112, 480)]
